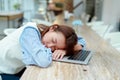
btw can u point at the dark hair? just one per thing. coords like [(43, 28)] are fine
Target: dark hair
[(68, 32)]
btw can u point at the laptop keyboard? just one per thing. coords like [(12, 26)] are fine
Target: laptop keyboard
[(80, 56)]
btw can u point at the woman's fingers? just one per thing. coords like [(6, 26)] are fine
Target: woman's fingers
[(62, 56), (58, 54)]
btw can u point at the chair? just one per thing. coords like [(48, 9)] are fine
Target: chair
[(118, 49), (95, 23), (100, 27), (101, 30), (114, 39), (94, 18), (85, 17)]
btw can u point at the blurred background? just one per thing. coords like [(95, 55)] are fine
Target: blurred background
[(13, 13)]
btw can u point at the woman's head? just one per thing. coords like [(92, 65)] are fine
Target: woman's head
[(59, 37)]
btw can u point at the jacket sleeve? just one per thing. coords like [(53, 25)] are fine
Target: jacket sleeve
[(34, 52), (82, 42)]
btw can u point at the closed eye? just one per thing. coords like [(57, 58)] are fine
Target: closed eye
[(54, 40)]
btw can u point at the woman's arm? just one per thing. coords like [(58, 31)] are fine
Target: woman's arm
[(34, 52)]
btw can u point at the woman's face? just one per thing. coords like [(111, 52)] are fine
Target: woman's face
[(54, 40)]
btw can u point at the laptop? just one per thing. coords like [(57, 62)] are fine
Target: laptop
[(80, 57)]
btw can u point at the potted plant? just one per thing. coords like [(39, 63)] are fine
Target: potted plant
[(17, 6)]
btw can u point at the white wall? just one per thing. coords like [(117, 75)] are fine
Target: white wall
[(111, 12)]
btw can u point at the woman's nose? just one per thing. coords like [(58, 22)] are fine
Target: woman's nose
[(51, 45)]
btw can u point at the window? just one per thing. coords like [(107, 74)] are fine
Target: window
[(10, 5), (1, 5)]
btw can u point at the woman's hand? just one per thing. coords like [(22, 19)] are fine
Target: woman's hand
[(58, 54)]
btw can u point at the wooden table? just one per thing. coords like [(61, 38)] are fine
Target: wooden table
[(104, 65), (10, 16)]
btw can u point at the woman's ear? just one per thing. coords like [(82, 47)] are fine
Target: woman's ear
[(52, 28)]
